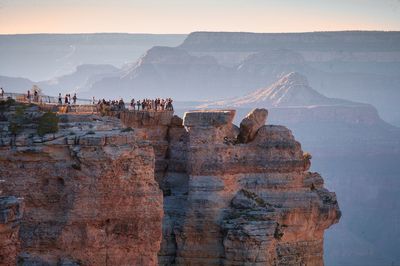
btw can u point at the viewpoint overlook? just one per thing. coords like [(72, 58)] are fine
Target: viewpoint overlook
[(150, 188), (199, 133)]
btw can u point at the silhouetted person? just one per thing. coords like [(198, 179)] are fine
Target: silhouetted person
[(74, 98), (59, 98), (35, 96)]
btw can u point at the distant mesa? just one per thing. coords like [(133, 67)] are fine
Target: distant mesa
[(271, 58), (163, 54), (291, 100), (292, 89)]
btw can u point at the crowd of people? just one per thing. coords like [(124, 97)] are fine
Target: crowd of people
[(110, 105), (34, 97), (157, 104), (67, 99)]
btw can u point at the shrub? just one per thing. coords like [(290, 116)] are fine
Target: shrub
[(307, 156), (128, 129), (17, 121), (7, 103), (48, 123), (278, 234)]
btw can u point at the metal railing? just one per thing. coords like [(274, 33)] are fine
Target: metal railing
[(49, 102), (40, 99)]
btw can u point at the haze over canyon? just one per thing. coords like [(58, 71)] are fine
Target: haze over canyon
[(222, 180)]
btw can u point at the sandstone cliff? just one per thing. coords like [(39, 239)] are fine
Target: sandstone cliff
[(241, 204), (11, 210), (91, 194)]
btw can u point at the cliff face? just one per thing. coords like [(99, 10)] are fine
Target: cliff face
[(11, 209), (349, 41), (242, 203), (92, 197), (89, 192)]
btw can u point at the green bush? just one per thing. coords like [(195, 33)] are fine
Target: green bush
[(17, 121), (307, 156), (7, 103), (128, 129), (48, 123)]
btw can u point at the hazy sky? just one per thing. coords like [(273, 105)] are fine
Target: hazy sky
[(184, 16)]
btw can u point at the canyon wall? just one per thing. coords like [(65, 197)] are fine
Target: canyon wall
[(89, 192), (11, 210), (230, 203), (92, 191)]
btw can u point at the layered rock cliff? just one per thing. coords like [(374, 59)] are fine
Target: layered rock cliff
[(233, 203), (11, 210), (91, 194)]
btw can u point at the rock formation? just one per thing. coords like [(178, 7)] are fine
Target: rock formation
[(292, 100), (292, 90), (11, 209), (243, 204), (251, 123), (89, 191), (92, 198)]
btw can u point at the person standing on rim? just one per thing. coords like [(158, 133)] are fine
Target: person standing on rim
[(74, 98)]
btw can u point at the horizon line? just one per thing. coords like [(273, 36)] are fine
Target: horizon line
[(221, 31)]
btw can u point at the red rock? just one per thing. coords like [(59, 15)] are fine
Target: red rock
[(244, 204), (93, 200), (251, 123), (11, 210), (92, 197)]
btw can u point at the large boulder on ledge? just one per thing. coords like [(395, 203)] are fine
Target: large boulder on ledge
[(251, 123)]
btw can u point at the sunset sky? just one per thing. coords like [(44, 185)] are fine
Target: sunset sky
[(184, 16)]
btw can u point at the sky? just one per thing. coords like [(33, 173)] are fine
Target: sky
[(185, 16)]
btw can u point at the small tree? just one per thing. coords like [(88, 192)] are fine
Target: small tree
[(17, 121), (48, 123)]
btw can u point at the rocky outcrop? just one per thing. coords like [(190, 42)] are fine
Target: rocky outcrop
[(291, 100), (243, 204), (292, 90), (11, 210), (152, 127), (251, 123), (92, 198), (89, 190)]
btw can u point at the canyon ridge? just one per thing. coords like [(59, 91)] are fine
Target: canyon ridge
[(150, 188)]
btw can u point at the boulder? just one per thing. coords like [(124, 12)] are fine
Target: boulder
[(251, 123), (208, 118), (176, 121)]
